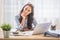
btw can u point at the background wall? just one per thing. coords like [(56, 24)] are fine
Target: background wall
[(44, 10), (1, 12)]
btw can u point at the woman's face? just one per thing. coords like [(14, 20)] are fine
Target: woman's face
[(27, 10)]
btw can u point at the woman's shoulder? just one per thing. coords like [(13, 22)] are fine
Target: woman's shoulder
[(17, 16)]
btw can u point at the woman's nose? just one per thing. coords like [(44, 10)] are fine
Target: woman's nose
[(26, 11)]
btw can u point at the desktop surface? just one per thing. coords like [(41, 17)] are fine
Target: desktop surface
[(32, 37)]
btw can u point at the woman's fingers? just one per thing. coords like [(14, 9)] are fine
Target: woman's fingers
[(26, 29), (22, 15)]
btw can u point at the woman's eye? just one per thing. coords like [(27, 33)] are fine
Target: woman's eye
[(28, 10)]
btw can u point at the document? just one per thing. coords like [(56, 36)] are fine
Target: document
[(55, 31)]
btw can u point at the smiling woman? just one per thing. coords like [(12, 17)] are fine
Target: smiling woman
[(26, 18)]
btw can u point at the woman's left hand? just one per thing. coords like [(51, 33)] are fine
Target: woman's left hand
[(26, 29)]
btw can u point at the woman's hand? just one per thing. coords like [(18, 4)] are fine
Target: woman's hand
[(23, 19), (26, 29), (23, 16)]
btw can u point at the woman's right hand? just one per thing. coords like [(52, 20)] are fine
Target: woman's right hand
[(23, 19), (23, 16)]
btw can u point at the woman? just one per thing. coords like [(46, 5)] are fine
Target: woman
[(25, 19)]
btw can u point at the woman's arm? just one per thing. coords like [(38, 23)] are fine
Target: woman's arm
[(34, 22), (23, 19), (18, 26), (22, 23)]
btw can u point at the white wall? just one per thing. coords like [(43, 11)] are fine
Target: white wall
[(43, 9), (1, 12)]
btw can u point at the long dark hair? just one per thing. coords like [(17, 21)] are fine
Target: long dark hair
[(30, 16)]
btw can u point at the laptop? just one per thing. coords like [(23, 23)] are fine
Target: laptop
[(40, 28)]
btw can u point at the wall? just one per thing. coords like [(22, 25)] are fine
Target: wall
[(1, 12)]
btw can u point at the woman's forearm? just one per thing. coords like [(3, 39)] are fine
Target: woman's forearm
[(22, 23)]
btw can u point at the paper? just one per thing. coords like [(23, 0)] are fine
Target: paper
[(26, 33), (55, 31)]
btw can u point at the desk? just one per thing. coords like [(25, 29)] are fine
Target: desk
[(33, 37)]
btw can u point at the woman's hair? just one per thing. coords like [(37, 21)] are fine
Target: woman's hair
[(30, 16)]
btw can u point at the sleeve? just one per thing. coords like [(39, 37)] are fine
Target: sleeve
[(18, 26), (34, 22)]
